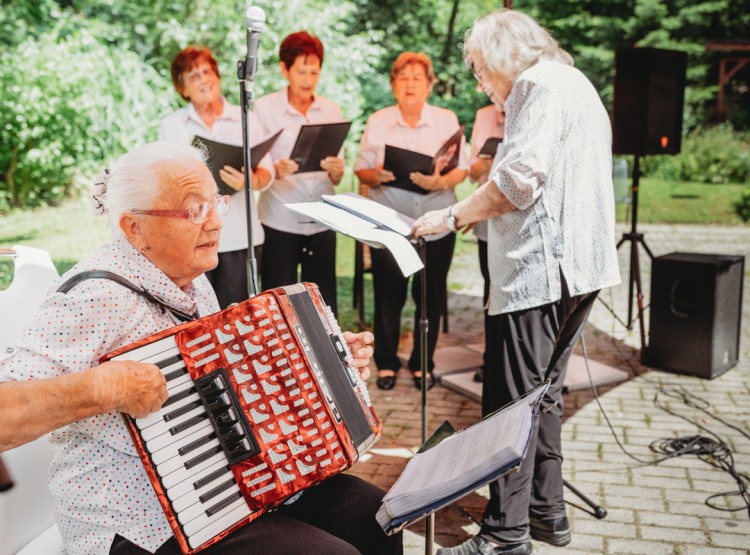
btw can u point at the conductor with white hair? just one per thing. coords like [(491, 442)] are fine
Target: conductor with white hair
[(551, 249), (164, 210)]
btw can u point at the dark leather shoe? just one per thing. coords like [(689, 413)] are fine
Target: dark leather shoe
[(479, 374), (554, 532), (479, 546), (386, 382), (418, 380)]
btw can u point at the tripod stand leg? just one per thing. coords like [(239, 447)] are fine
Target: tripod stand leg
[(599, 511), (639, 295), (633, 277)]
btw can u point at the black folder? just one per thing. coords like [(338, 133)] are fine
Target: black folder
[(316, 142), (402, 162), (222, 154), (489, 149), (452, 464)]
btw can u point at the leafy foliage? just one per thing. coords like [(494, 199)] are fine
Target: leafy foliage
[(713, 155), (84, 80), (742, 206), (592, 30), (69, 102)]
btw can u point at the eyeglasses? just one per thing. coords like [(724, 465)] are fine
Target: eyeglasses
[(478, 73), (197, 214), (469, 61), (198, 73)]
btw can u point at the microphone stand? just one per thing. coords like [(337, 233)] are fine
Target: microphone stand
[(244, 75)]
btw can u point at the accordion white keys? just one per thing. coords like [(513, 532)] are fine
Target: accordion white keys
[(262, 404)]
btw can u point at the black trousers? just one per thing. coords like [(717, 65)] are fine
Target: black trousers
[(334, 517), (485, 269), (524, 349), (229, 278), (389, 287), (316, 254)]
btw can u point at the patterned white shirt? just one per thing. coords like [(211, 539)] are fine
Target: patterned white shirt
[(98, 483), (557, 170), (486, 125), (387, 126), (275, 112), (184, 124)]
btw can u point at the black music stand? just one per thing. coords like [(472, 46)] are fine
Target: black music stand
[(429, 532), (420, 246)]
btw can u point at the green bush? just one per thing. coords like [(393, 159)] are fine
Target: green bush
[(68, 103), (709, 155), (742, 206)]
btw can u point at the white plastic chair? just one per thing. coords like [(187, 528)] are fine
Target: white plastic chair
[(33, 274), (27, 519)]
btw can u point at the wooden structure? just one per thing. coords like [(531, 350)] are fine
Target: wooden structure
[(735, 54)]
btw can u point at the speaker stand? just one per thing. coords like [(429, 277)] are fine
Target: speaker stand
[(634, 280)]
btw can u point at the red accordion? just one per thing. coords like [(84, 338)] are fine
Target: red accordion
[(262, 404)]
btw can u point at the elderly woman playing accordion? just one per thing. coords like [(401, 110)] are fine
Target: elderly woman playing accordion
[(166, 216)]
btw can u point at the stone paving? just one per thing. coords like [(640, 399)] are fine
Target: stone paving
[(651, 508)]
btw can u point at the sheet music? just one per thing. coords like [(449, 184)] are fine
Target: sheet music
[(402, 162), (223, 154), (363, 230), (459, 464), (489, 149), (373, 211), (316, 142), (463, 457)]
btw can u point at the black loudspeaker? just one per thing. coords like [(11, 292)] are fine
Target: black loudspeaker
[(696, 307), (649, 96)]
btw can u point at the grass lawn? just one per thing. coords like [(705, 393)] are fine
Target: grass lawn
[(70, 232), (685, 203)]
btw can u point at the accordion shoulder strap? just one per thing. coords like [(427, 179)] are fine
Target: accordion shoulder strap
[(103, 274)]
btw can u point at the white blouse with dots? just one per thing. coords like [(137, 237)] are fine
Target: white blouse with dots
[(97, 481), (557, 172)]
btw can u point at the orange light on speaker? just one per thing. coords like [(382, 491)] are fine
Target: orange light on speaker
[(664, 141)]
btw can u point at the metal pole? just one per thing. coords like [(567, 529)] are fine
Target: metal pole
[(246, 100), (429, 532)]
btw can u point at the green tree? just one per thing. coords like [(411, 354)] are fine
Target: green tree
[(83, 81), (593, 30)]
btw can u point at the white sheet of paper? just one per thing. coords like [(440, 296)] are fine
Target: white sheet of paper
[(385, 216), (363, 230)]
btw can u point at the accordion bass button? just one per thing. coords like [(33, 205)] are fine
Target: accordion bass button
[(225, 418)]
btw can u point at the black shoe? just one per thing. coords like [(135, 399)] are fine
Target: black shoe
[(554, 532), (418, 380), (479, 375), (386, 382), (479, 546)]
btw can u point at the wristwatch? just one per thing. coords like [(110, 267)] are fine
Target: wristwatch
[(450, 219)]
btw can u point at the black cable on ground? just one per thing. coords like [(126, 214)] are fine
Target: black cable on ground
[(711, 450)]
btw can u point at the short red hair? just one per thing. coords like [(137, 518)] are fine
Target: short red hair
[(300, 44), (186, 60)]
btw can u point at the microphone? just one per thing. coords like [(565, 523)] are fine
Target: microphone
[(255, 20)]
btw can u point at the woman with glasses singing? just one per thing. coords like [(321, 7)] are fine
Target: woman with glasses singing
[(415, 125), (195, 75), (302, 250), (551, 248), (166, 217)]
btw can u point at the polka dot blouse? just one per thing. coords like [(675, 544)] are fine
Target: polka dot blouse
[(557, 172), (98, 483)]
